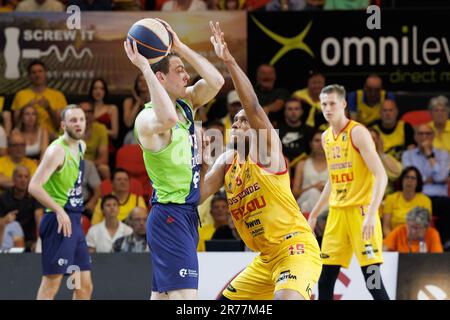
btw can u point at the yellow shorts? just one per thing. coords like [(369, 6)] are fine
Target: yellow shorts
[(295, 265), (343, 237)]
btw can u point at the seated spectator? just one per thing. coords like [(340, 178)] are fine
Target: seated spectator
[(365, 104), (101, 237), (11, 234), (286, 5), (397, 205), (271, 98), (92, 5), (431, 162), (132, 105), (397, 135), (137, 241), (311, 175), (96, 138), (219, 212), (29, 212), (392, 166), (40, 5), (47, 101), (184, 5), (309, 97), (229, 232), (36, 137), (16, 157), (416, 236), (433, 165), (233, 107), (104, 112), (8, 5), (3, 141), (91, 188), (127, 200), (440, 109), (295, 135)]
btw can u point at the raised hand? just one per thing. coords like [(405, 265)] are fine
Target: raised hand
[(218, 41), (176, 43), (133, 54)]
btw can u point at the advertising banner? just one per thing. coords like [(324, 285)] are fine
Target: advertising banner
[(410, 51), (75, 57)]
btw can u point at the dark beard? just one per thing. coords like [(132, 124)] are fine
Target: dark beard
[(72, 134)]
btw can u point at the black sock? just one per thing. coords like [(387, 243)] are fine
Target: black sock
[(374, 282), (327, 281)]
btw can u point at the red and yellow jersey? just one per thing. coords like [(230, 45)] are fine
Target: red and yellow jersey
[(350, 178), (262, 206)]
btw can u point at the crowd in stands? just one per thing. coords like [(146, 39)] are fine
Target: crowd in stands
[(183, 5), (116, 189)]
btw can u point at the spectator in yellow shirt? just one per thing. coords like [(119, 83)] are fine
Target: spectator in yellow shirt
[(440, 109), (397, 205), (96, 138), (415, 236), (47, 101), (219, 212), (16, 157), (127, 200)]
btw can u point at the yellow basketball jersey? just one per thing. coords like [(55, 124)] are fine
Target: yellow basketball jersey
[(351, 181), (262, 206)]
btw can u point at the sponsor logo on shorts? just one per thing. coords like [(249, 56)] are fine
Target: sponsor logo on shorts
[(188, 273), (324, 255), (231, 288), (297, 248), (257, 232), (62, 262), (286, 276), (170, 220), (369, 251)]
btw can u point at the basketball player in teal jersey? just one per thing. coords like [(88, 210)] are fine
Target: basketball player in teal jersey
[(57, 185), (165, 131)]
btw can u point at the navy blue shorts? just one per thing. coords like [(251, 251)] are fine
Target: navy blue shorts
[(62, 255), (172, 236)]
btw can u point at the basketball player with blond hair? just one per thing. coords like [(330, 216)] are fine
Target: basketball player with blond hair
[(165, 131), (355, 189), (261, 203)]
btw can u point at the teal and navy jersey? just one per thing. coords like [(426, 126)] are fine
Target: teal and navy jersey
[(174, 171), (64, 185)]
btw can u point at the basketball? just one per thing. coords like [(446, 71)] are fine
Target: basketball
[(152, 38)]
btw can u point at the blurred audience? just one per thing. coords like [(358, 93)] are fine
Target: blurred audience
[(184, 5), (271, 98), (440, 109), (96, 138), (137, 241), (11, 234), (28, 211), (311, 175), (286, 5), (409, 195), (16, 157), (127, 199), (101, 237), (91, 188), (36, 137), (92, 5), (132, 105), (219, 212), (3, 141), (229, 232), (416, 236), (40, 5), (309, 97), (295, 135), (233, 107), (47, 101), (365, 104), (8, 5), (397, 135)]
